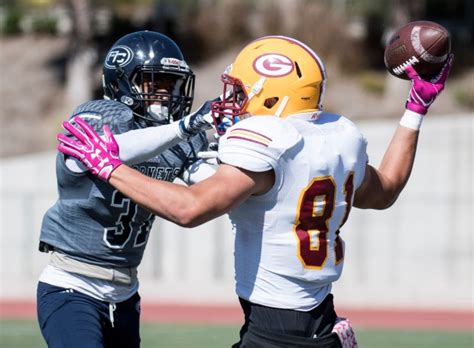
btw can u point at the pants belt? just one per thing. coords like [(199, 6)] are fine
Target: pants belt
[(117, 275)]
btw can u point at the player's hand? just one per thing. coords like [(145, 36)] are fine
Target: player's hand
[(211, 154), (345, 332), (423, 93), (197, 121), (225, 122), (100, 156)]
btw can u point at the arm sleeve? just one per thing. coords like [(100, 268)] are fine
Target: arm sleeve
[(363, 160), (353, 145), (257, 143), (139, 145)]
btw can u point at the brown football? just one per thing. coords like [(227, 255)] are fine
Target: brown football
[(424, 45)]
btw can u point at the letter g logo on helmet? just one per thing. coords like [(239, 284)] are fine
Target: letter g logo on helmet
[(120, 55), (273, 65)]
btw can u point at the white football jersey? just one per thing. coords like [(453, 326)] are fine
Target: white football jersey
[(288, 249)]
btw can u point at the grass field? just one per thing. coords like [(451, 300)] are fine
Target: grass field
[(25, 334)]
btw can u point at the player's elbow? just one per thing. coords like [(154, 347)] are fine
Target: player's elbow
[(377, 204), (391, 193), (378, 191), (376, 199), (181, 218), (385, 202), (187, 221), (188, 216)]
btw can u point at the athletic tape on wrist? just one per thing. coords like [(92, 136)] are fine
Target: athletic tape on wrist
[(183, 133), (411, 120)]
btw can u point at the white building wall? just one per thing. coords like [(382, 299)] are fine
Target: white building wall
[(418, 253)]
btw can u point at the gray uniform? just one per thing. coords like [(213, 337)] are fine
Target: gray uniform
[(93, 222)]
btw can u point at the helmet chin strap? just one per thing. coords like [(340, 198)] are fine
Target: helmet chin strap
[(282, 106), (257, 87), (159, 113)]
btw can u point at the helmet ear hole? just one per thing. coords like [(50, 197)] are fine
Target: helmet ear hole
[(115, 87), (112, 90), (298, 70), (270, 102)]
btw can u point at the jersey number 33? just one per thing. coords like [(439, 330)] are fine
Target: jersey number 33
[(127, 224)]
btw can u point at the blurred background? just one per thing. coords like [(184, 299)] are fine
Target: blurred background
[(416, 255), (52, 51)]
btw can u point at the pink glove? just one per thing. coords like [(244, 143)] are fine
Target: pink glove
[(100, 156), (423, 93), (343, 329)]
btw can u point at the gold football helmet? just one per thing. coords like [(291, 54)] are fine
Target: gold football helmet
[(273, 75)]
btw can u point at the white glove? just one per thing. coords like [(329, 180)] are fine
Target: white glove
[(197, 121)]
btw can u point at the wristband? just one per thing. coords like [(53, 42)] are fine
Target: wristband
[(183, 133), (411, 120)]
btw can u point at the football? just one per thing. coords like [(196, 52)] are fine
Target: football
[(424, 45)]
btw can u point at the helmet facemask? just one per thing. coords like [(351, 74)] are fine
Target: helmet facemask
[(146, 71), (159, 96), (230, 108)]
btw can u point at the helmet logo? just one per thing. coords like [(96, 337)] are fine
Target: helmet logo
[(174, 63), (273, 65), (119, 55)]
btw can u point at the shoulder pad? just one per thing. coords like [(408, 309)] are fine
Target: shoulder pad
[(257, 143), (99, 112)]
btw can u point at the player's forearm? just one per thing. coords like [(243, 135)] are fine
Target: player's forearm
[(170, 201), (139, 145), (381, 187), (397, 163), (193, 205)]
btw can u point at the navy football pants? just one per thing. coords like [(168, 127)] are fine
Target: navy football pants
[(267, 327), (70, 319)]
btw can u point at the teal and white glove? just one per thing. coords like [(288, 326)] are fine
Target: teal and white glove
[(197, 121)]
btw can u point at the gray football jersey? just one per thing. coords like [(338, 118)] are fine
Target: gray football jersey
[(93, 222)]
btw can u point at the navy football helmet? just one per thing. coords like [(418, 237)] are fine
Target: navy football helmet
[(147, 71)]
